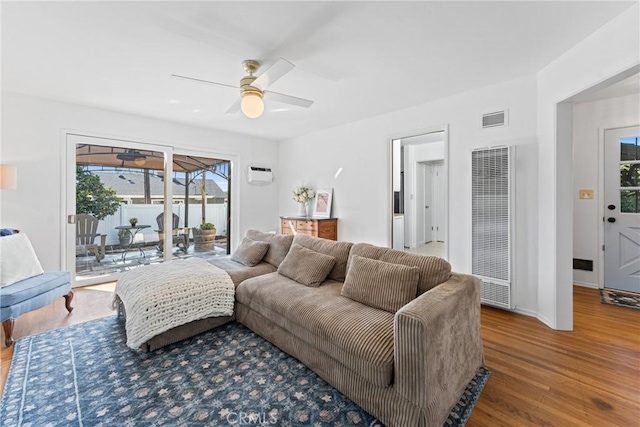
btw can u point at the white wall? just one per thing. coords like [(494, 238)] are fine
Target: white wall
[(32, 131), (609, 51), (589, 120), (361, 191)]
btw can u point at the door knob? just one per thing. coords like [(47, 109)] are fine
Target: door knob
[(611, 220), (611, 207)]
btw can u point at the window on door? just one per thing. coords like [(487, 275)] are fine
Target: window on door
[(629, 175)]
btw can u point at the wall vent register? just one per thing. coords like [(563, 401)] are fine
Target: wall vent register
[(497, 118)]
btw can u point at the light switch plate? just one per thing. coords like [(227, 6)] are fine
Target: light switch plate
[(586, 194)]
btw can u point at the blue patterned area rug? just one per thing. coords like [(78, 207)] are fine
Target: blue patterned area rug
[(85, 375)]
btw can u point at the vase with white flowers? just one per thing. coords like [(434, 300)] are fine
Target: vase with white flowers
[(303, 195)]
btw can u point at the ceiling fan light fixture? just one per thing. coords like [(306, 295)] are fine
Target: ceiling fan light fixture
[(132, 156), (252, 105)]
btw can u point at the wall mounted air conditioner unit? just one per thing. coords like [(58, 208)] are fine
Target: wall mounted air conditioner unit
[(491, 240), (259, 175)]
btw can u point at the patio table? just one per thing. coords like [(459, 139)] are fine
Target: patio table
[(133, 230)]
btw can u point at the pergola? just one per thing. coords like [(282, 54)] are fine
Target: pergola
[(192, 166)]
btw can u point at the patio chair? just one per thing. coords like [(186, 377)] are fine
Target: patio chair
[(180, 235), (86, 234)]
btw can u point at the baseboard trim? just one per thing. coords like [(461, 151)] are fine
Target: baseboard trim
[(546, 321), (525, 311), (586, 285)]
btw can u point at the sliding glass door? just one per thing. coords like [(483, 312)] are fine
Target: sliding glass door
[(131, 204), (116, 201)]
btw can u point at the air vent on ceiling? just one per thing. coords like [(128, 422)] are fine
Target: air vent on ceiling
[(497, 118)]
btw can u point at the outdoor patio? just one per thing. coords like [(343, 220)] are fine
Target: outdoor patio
[(138, 255)]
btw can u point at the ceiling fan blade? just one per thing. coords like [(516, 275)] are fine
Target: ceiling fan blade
[(273, 73), (235, 107), (287, 99), (193, 79)]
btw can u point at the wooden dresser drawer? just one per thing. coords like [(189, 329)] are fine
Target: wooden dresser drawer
[(308, 225), (325, 228), (288, 226)]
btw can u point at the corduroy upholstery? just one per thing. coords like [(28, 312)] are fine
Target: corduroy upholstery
[(279, 245), (358, 337), (250, 252), (380, 284), (338, 250), (433, 270), (407, 369), (239, 272), (306, 266)]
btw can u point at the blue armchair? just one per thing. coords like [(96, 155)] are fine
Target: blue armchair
[(31, 293)]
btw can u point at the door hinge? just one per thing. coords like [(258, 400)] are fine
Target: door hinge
[(71, 219), (603, 247)]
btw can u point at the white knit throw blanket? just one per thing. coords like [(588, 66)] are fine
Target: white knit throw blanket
[(159, 297)]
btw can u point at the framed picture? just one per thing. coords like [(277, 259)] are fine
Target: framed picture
[(322, 204)]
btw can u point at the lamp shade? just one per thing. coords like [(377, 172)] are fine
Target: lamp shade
[(8, 177), (252, 105)]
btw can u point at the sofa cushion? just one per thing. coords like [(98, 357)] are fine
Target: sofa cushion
[(433, 270), (356, 336), (338, 250), (239, 272), (380, 284), (279, 245), (306, 266), (32, 287), (250, 252), (18, 259)]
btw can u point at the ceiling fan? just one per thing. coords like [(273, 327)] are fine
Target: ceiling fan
[(131, 155), (253, 88)]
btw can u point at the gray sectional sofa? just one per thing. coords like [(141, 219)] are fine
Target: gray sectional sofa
[(397, 333)]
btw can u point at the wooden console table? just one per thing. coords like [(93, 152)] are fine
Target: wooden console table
[(317, 227)]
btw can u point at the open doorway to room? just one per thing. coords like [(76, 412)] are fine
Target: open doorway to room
[(419, 182), (143, 205), (606, 164)]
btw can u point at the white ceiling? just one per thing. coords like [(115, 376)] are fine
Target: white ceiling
[(355, 59)]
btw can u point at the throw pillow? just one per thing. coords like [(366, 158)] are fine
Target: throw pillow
[(18, 259), (380, 284), (306, 266), (250, 252), (278, 245)]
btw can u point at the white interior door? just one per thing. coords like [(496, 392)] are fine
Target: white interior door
[(438, 201), (428, 203), (420, 204), (622, 209)]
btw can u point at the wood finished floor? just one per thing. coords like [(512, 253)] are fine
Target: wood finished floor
[(541, 377)]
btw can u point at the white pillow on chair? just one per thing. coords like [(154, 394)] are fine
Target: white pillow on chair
[(18, 260)]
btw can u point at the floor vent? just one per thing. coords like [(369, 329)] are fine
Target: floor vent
[(582, 264), (498, 118)]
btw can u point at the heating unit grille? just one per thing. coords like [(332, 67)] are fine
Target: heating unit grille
[(491, 223)]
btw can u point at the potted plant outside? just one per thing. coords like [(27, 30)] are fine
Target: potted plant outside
[(125, 237), (204, 236), (133, 221)]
